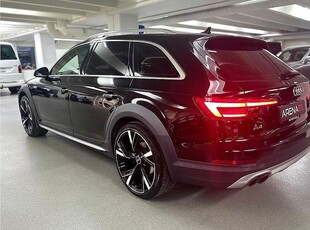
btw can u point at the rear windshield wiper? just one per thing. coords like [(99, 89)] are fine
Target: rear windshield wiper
[(289, 74)]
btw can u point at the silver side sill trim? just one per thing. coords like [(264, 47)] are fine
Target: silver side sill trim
[(243, 181), (74, 138)]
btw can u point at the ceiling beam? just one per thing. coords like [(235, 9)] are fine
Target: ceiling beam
[(100, 3), (218, 12), (277, 17), (25, 18), (56, 4), (47, 9), (212, 30), (245, 21)]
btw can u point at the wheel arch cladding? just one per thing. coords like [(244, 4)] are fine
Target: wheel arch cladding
[(133, 112), (24, 91)]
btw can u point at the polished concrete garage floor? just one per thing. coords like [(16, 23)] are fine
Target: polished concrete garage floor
[(54, 183)]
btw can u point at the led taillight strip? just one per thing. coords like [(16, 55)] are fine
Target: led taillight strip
[(214, 106)]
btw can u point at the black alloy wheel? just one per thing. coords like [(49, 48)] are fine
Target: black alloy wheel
[(28, 119), (140, 163)]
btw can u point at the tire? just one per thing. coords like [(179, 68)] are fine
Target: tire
[(29, 120), (140, 162), (14, 89)]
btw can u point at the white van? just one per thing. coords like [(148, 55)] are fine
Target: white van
[(11, 75)]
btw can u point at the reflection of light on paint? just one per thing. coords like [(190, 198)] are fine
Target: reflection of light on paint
[(104, 81)]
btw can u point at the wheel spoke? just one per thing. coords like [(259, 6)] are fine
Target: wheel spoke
[(148, 154), (22, 107), (145, 179), (149, 162), (129, 174), (24, 120), (133, 139), (29, 126), (122, 150)]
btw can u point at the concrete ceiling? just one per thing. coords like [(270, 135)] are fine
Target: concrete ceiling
[(261, 18)]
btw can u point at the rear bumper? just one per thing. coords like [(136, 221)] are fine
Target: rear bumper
[(277, 158), (11, 80), (245, 180), (11, 84)]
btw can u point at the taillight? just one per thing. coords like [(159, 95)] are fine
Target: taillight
[(20, 68), (231, 107)]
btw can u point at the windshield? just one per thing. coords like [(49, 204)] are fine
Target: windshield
[(7, 52), (293, 55)]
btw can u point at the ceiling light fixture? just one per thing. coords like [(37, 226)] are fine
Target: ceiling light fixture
[(223, 27), (249, 2), (294, 10)]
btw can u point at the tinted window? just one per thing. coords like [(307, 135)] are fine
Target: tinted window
[(109, 58), (293, 55), (71, 62), (7, 52), (152, 62), (248, 65)]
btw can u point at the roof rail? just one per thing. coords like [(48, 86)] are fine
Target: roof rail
[(129, 32)]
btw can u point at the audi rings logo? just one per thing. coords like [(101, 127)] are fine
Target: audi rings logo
[(298, 90)]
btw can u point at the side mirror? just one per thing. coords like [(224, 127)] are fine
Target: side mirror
[(307, 60), (42, 72)]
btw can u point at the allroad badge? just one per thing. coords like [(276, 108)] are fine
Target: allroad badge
[(298, 90)]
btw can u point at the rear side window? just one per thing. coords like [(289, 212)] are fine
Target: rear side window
[(109, 58), (150, 61), (7, 53)]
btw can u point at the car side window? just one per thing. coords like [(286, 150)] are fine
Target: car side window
[(109, 58), (150, 61), (71, 62)]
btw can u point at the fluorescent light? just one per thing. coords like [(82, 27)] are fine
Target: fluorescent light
[(249, 2), (178, 29), (17, 11), (223, 27), (294, 10), (67, 39), (270, 35)]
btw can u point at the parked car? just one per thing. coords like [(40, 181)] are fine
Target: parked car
[(11, 75), (193, 108), (298, 58)]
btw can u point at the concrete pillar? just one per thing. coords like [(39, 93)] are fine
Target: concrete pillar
[(121, 22), (45, 50)]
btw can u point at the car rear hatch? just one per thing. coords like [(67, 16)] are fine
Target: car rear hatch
[(272, 105), (9, 64)]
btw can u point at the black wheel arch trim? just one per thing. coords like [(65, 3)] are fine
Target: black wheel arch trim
[(25, 90), (152, 122)]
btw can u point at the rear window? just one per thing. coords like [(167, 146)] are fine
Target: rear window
[(7, 53), (245, 60)]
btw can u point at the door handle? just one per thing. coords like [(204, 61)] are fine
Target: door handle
[(64, 90)]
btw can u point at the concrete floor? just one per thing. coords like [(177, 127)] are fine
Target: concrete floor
[(54, 183)]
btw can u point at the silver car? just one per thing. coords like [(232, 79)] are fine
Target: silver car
[(298, 58)]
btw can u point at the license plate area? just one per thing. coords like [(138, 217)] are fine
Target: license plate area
[(291, 111)]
